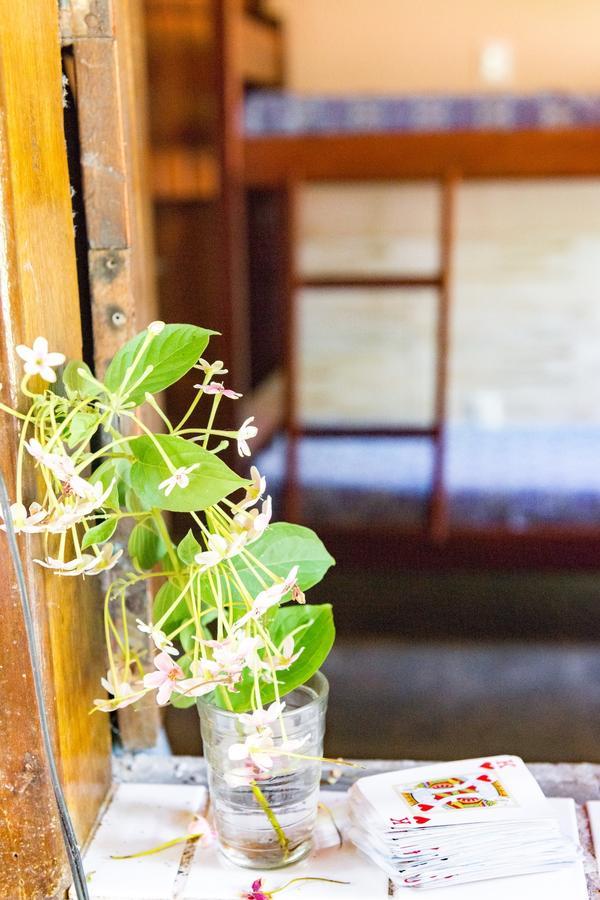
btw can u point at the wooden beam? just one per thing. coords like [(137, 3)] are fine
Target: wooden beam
[(475, 154), (110, 73), (39, 296)]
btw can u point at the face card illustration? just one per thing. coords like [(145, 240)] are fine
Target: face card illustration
[(496, 789), (474, 790)]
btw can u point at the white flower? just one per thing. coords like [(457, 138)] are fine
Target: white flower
[(257, 748), (38, 361), (207, 674), (268, 598), (179, 478), (66, 513), (211, 369), (28, 523), (219, 548), (260, 749), (283, 660), (122, 691), (246, 432), (234, 652), (254, 522), (63, 467), (261, 718), (85, 564), (255, 490), (156, 327), (216, 553), (161, 641)]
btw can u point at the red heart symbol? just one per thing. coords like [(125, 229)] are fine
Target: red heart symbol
[(483, 778), (486, 765), (425, 807), (420, 820)]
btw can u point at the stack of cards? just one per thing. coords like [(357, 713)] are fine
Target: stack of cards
[(451, 823)]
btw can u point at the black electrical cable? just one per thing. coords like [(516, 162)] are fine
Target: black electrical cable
[(70, 840)]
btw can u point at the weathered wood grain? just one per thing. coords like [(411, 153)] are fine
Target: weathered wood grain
[(39, 295), (110, 70)]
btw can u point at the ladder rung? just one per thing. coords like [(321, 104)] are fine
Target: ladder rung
[(355, 281), (409, 432)]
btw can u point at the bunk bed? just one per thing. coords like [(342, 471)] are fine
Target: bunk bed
[(287, 141)]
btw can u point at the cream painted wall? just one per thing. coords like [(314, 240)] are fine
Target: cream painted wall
[(525, 345), (395, 46)]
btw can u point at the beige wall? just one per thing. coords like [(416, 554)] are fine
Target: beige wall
[(394, 46)]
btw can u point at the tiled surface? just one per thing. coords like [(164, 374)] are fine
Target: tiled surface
[(142, 815)]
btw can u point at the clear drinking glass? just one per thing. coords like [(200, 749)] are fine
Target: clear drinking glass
[(265, 818)]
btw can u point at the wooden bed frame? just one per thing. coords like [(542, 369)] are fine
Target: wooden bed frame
[(249, 52)]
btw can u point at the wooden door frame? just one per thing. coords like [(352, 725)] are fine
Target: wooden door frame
[(39, 296)]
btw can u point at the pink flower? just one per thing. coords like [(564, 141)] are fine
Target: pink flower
[(200, 825), (217, 387), (165, 678), (206, 676), (38, 361), (256, 892)]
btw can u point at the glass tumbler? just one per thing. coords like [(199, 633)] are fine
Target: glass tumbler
[(264, 816)]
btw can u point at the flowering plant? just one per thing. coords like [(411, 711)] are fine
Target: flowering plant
[(229, 615)]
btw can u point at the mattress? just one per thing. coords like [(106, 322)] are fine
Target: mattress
[(514, 478), (283, 113)]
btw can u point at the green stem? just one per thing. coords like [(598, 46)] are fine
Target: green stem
[(264, 805), (186, 838), (305, 878)]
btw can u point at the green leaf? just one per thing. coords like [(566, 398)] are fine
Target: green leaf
[(188, 548), (99, 533), (316, 638), (180, 701), (281, 547), (110, 470), (165, 597), (82, 427), (146, 546), (172, 353), (208, 483), (75, 385)]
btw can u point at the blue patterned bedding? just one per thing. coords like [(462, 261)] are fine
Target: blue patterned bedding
[(514, 478), (280, 113)]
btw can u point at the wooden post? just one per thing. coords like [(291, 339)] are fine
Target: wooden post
[(39, 296), (110, 87), (438, 513)]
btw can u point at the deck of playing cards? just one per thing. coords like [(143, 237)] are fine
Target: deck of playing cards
[(452, 823)]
